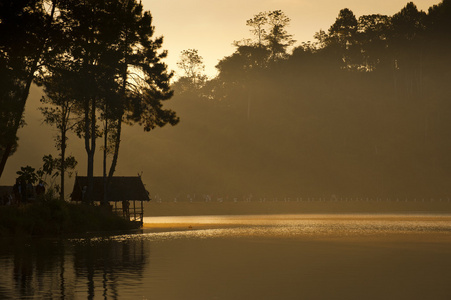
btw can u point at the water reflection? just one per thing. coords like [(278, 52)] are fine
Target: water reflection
[(28, 266), (260, 257), (77, 268), (106, 263)]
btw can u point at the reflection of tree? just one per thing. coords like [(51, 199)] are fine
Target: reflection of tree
[(23, 271), (56, 268), (38, 269), (106, 262)]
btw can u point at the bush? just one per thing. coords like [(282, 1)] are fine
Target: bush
[(55, 217)]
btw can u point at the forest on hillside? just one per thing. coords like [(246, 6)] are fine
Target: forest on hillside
[(363, 110)]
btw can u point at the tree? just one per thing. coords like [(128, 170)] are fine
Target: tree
[(278, 39), (373, 34), (272, 41), (408, 44), (139, 96), (408, 23), (193, 66), (269, 28), (342, 36), (27, 29), (438, 22), (119, 73), (91, 53), (258, 23), (345, 26), (27, 175), (245, 60), (59, 94)]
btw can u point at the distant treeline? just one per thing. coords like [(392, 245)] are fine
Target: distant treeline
[(364, 109)]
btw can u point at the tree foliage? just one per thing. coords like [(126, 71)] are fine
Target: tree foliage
[(364, 110), (96, 60), (193, 67), (28, 34), (269, 28), (59, 110), (117, 72)]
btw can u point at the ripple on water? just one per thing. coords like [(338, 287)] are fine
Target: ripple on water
[(296, 226)]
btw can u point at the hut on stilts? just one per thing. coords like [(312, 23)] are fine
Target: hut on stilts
[(125, 195)]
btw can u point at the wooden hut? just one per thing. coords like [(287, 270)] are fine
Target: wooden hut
[(123, 194)]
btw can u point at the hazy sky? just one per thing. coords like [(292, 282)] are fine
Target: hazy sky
[(211, 26)]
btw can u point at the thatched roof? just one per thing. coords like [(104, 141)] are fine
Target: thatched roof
[(121, 188)]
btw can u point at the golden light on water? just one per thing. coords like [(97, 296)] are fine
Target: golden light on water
[(339, 226)]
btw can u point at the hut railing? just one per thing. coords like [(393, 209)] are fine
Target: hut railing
[(132, 212)]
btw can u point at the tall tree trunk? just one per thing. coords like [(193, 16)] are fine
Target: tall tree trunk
[(87, 146), (90, 139), (5, 158), (91, 152), (63, 160), (117, 141), (105, 145), (116, 149), (22, 101)]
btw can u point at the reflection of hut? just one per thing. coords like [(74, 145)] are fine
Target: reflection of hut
[(121, 192)]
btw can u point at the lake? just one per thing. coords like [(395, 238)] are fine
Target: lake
[(354, 256)]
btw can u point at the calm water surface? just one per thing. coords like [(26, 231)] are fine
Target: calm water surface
[(240, 257)]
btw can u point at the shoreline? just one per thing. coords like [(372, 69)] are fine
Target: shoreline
[(58, 218)]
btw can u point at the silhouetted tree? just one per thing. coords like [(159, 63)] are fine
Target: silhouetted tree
[(140, 97), (120, 75), (91, 47), (332, 105), (269, 29), (342, 36), (373, 33), (27, 29), (193, 66), (278, 38), (407, 42), (60, 96), (438, 22), (245, 60), (258, 23)]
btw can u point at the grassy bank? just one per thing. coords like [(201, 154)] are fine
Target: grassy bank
[(54, 217)]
